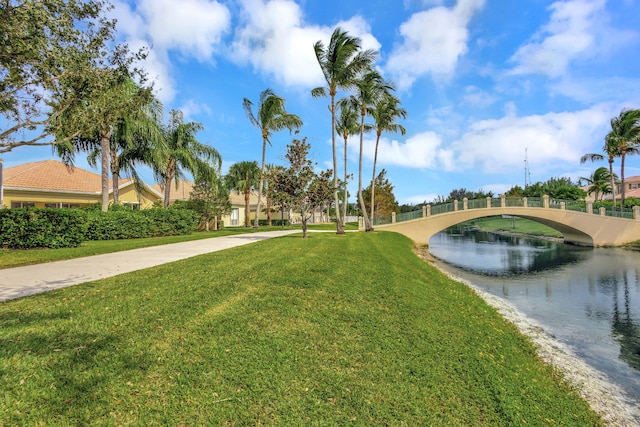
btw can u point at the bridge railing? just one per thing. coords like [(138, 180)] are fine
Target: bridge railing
[(408, 216), (506, 202)]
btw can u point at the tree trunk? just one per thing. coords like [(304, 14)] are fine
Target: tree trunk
[(105, 146), (115, 178), (613, 182), (373, 178), (247, 217), (303, 216), (167, 191), (168, 177), (264, 152), (363, 208), (268, 211), (339, 229), (345, 196), (622, 156)]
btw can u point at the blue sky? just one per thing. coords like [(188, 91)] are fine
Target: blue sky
[(482, 81)]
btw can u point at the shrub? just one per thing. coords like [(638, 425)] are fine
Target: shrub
[(42, 228), (128, 224)]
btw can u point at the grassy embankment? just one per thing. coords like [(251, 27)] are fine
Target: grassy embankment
[(332, 330), (515, 225), (15, 258), (524, 226)]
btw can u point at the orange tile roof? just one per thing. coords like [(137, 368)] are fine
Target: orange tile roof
[(183, 192), (53, 175)]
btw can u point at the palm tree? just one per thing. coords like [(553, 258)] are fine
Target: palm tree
[(135, 140), (625, 132), (271, 117), (346, 125), (370, 88), (384, 114), (599, 183), (183, 151), (243, 177), (114, 97), (610, 148), (341, 63)]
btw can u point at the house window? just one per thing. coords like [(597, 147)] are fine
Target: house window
[(633, 186), (235, 216), (23, 204), (134, 206), (61, 205)]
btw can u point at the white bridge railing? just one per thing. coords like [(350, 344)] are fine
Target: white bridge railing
[(544, 202)]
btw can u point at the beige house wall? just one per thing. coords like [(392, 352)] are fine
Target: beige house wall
[(43, 198)]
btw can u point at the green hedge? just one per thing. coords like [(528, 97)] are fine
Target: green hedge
[(42, 228), (65, 228), (125, 224)]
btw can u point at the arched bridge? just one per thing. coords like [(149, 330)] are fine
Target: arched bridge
[(578, 222)]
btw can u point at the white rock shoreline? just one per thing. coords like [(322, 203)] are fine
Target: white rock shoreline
[(604, 397)]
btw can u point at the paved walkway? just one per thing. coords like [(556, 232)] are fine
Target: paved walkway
[(32, 279)]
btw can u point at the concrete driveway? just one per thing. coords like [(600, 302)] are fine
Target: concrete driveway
[(32, 279)]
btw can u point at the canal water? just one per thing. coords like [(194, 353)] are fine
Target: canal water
[(588, 299)]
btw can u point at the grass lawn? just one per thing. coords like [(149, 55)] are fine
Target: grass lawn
[(331, 330), (18, 257), (522, 225)]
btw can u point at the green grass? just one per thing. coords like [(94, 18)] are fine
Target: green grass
[(17, 257), (522, 225), (331, 330)]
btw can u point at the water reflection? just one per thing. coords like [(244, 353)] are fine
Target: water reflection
[(587, 298)]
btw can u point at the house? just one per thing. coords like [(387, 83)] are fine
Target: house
[(632, 186), (632, 189), (236, 217), (52, 184)]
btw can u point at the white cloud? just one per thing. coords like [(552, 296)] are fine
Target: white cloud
[(477, 97), (277, 42), (191, 108), (194, 28), (422, 150), (496, 146), (571, 33), (433, 41)]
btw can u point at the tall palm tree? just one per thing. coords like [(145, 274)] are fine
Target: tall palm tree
[(243, 177), (135, 140), (183, 151), (612, 151), (271, 117), (346, 125), (113, 97), (385, 113), (370, 88), (599, 183), (625, 132), (341, 62)]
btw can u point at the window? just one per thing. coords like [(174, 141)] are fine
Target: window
[(134, 206), (23, 204), (61, 205), (235, 215)]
